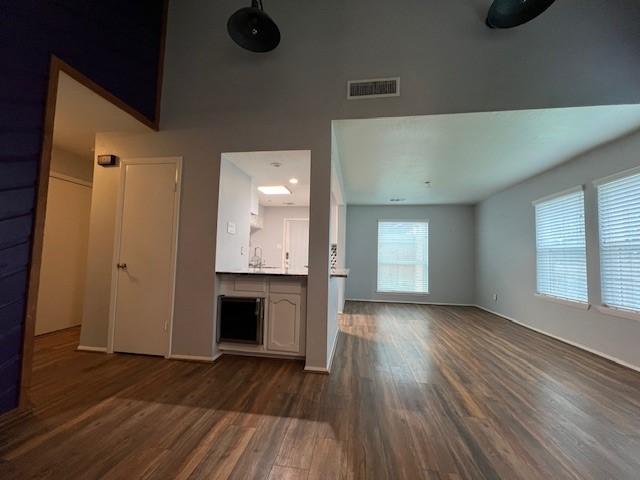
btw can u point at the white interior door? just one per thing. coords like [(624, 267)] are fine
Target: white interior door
[(146, 257), (296, 253)]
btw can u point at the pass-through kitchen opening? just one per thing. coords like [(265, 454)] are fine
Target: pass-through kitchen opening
[(262, 252)]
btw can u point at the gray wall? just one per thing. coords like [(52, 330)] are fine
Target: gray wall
[(234, 205), (218, 98), (451, 252), (506, 255)]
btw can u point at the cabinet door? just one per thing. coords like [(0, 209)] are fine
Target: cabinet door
[(284, 323)]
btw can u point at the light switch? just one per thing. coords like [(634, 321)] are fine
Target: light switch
[(231, 228)]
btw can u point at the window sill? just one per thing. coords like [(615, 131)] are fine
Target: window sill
[(616, 312), (381, 292), (563, 301)]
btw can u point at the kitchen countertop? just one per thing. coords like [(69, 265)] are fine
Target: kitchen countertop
[(281, 272)]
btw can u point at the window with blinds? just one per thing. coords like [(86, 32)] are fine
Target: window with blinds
[(561, 252), (619, 218), (403, 257)]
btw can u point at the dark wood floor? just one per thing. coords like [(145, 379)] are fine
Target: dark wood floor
[(416, 392)]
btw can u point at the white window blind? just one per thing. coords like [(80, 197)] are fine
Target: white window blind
[(619, 217), (403, 257), (561, 252)]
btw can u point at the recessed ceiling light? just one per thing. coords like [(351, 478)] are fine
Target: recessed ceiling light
[(293, 181), (275, 190)]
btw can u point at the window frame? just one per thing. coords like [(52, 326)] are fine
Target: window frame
[(393, 220), (604, 308), (582, 305)]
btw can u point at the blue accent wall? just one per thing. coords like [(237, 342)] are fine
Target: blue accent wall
[(116, 43)]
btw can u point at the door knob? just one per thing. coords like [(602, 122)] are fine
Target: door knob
[(121, 266)]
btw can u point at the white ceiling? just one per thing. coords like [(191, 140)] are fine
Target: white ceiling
[(294, 164), (81, 113), (467, 157)]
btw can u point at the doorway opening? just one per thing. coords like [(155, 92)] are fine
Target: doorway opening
[(263, 211), (77, 111), (296, 243)]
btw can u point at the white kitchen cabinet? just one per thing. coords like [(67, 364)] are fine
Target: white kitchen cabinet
[(257, 218), (257, 222), (255, 200), (285, 323), (285, 312)]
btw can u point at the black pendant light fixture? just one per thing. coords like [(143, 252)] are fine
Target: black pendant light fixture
[(253, 29), (511, 13)]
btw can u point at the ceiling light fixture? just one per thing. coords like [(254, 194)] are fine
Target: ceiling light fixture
[(253, 29), (293, 181), (511, 13), (274, 190)]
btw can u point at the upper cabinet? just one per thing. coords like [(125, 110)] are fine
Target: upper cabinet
[(257, 222), (255, 201), (255, 210)]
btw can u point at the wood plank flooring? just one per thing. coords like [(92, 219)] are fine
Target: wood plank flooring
[(417, 392)]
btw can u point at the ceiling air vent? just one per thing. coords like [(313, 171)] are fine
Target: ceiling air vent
[(373, 88)]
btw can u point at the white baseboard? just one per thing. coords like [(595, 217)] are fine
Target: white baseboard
[(412, 302), (83, 348), (239, 353), (322, 370), (326, 370), (333, 350), (195, 358), (563, 340)]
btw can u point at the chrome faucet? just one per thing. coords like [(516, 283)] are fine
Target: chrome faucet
[(256, 260)]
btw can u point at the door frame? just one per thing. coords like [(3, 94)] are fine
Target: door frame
[(56, 65), (285, 236), (177, 161)]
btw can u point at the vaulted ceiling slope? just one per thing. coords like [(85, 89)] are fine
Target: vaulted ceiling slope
[(81, 113)]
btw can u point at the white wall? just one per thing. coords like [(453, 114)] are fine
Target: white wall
[(218, 98), (72, 164), (64, 252), (337, 236), (451, 252), (506, 255), (271, 237), (97, 294), (234, 206)]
